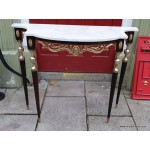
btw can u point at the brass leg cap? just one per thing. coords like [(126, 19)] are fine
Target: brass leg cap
[(39, 120)]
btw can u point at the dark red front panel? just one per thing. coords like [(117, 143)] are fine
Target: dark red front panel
[(64, 62), (88, 62)]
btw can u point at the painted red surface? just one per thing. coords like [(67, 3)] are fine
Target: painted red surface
[(142, 70), (88, 62)]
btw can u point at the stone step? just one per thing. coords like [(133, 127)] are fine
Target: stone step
[(102, 77)]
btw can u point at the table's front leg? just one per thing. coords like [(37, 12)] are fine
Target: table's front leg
[(124, 64), (34, 71), (119, 47), (19, 38)]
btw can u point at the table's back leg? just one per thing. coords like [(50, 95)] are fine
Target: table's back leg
[(124, 63), (23, 71)]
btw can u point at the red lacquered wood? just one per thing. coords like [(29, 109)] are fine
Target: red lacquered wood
[(141, 70), (62, 62)]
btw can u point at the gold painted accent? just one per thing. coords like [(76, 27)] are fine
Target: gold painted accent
[(17, 33), (65, 75), (20, 51), (75, 50), (30, 42), (120, 44), (33, 60), (117, 61), (131, 37), (145, 83), (126, 52)]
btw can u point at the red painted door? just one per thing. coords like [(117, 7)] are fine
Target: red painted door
[(88, 62)]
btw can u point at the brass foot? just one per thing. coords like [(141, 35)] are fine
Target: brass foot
[(39, 120), (107, 120), (28, 107)]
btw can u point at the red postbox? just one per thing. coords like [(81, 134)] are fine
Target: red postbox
[(141, 78)]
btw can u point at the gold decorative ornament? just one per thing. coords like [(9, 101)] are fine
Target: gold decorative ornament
[(33, 61), (17, 33), (126, 52), (30, 43), (20, 51), (120, 44), (117, 61), (75, 50)]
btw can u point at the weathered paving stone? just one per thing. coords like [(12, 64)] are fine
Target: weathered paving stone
[(14, 102), (97, 94), (18, 122), (97, 123), (66, 88), (141, 113), (2, 90), (63, 114)]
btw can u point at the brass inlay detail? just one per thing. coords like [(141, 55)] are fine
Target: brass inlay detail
[(126, 52), (145, 82), (30, 42), (21, 50), (117, 61), (76, 50), (33, 60), (120, 44), (17, 33)]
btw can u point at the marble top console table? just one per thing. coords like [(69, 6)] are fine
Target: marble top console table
[(78, 38)]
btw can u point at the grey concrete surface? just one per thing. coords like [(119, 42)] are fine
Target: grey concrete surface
[(97, 94), (63, 113), (18, 122), (2, 90), (65, 88), (97, 123), (14, 102), (141, 113), (73, 106)]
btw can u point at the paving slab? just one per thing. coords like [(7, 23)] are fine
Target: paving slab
[(14, 102), (127, 93), (65, 88), (98, 123), (63, 114), (2, 90), (18, 122), (141, 113), (97, 94)]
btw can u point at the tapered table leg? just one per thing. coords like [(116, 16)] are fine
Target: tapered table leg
[(34, 71), (123, 69), (36, 91), (113, 84), (23, 71)]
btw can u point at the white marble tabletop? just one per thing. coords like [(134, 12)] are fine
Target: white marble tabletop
[(75, 33)]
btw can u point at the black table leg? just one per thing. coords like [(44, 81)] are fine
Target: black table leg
[(36, 91), (23, 71), (123, 69)]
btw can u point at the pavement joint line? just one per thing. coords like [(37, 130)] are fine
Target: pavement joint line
[(41, 107), (110, 116), (87, 125), (66, 96), (130, 112), (16, 114)]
